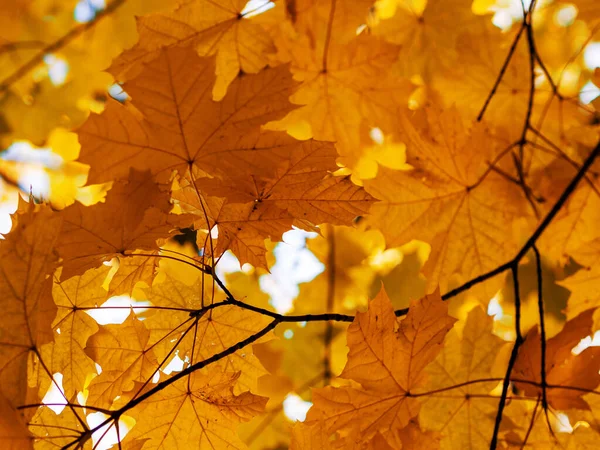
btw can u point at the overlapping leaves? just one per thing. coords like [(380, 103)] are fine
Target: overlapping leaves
[(239, 126)]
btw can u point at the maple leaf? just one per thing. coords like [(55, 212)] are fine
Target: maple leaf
[(239, 121), (302, 191), (583, 284), (13, 432), (482, 55), (309, 437), (531, 427), (451, 199), (468, 81), (340, 96), (125, 356), (73, 326), (563, 368), (241, 229), (319, 19), (464, 413), (172, 122), (32, 45), (424, 28), (575, 225), (139, 267), (52, 430), (203, 407), (92, 235), (27, 260), (210, 28), (211, 333), (587, 10), (387, 357)]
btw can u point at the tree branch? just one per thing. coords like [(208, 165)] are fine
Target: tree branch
[(538, 260), (513, 357)]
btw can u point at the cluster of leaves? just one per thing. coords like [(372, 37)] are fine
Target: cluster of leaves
[(375, 124)]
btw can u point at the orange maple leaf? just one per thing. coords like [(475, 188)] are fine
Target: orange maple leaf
[(387, 357)]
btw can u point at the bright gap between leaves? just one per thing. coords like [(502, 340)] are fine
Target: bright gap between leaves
[(294, 408), (107, 436), (116, 309), (175, 365), (256, 7), (32, 175), (591, 55), (494, 307), (295, 264), (566, 15), (58, 69), (116, 91), (54, 397), (507, 13), (86, 10), (586, 342)]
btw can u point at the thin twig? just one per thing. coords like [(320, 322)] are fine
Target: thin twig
[(512, 360), (330, 300), (538, 260), (536, 234), (526, 438)]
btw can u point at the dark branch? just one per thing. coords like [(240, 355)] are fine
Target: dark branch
[(513, 357), (536, 234), (538, 261)]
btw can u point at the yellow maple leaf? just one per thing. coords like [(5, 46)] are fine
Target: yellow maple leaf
[(35, 36), (387, 357), (139, 267), (352, 89), (301, 191), (587, 10), (563, 368), (51, 429), (452, 199), (211, 29), (575, 225), (173, 123), (425, 30), (13, 432), (73, 326), (339, 19), (531, 427), (467, 83), (27, 259), (172, 330), (125, 355), (584, 291), (464, 413), (199, 412), (133, 217)]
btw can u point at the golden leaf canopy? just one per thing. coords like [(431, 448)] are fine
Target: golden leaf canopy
[(304, 224)]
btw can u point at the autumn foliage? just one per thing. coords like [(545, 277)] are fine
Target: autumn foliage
[(445, 163)]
